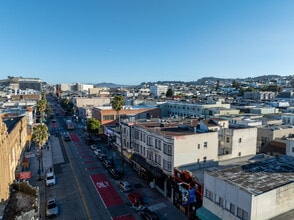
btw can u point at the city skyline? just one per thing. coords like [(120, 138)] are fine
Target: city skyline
[(129, 42)]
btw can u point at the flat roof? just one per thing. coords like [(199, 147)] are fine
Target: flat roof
[(259, 177)]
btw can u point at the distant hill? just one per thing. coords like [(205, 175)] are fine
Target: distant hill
[(110, 85)]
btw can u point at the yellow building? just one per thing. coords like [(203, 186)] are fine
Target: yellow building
[(13, 137)]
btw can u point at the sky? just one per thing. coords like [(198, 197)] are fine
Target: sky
[(133, 41)]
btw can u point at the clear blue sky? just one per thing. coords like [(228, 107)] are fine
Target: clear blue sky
[(134, 41)]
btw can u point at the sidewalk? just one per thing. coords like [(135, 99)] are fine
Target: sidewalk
[(34, 181)]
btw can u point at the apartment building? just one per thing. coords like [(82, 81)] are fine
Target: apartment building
[(186, 109), (288, 118), (13, 136), (260, 95), (237, 141), (158, 90), (256, 191), (93, 101), (30, 83), (107, 116)]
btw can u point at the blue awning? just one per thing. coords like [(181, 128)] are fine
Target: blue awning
[(204, 214)]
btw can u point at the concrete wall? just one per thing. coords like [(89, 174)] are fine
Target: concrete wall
[(186, 149)]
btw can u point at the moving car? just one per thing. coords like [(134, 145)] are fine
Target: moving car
[(125, 186), (51, 208)]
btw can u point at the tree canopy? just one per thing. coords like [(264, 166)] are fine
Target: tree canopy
[(40, 134), (169, 93), (93, 125)]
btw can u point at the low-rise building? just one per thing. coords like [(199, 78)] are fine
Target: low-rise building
[(260, 190)]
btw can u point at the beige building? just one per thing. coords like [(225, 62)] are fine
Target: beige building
[(269, 133), (237, 142), (13, 136), (90, 102), (102, 91)]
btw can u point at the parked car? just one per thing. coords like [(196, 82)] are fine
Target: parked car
[(101, 155), (147, 214), (52, 208), (89, 141), (93, 147), (135, 198), (125, 186), (67, 138), (50, 179), (114, 173), (107, 163), (96, 152)]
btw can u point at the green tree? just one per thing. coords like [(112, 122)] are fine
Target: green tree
[(40, 136), (235, 84), (117, 104), (217, 87), (41, 107), (93, 125), (169, 93)]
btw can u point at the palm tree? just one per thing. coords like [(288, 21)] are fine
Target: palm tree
[(41, 106), (117, 104), (40, 135)]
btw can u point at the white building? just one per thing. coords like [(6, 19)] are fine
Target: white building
[(288, 118), (255, 191), (158, 90), (186, 109), (290, 147), (170, 145)]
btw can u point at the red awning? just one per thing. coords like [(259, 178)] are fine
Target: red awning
[(25, 175)]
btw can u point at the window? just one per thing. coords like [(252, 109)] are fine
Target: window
[(198, 160), (204, 159), (239, 154), (209, 194), (292, 149), (242, 214), (232, 208), (228, 140), (167, 149), (198, 146), (240, 140), (108, 117), (205, 144), (219, 200)]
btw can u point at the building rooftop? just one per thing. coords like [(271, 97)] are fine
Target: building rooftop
[(172, 128), (11, 122), (259, 177)]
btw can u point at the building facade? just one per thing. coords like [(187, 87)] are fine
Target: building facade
[(13, 136), (255, 191)]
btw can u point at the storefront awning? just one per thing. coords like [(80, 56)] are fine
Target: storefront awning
[(204, 214)]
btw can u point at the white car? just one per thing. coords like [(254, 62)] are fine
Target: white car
[(125, 186), (50, 179), (52, 208)]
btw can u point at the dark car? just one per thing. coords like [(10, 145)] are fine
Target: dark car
[(108, 163), (114, 173), (66, 138), (147, 214)]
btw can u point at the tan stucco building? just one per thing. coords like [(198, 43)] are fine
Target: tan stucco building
[(13, 137)]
